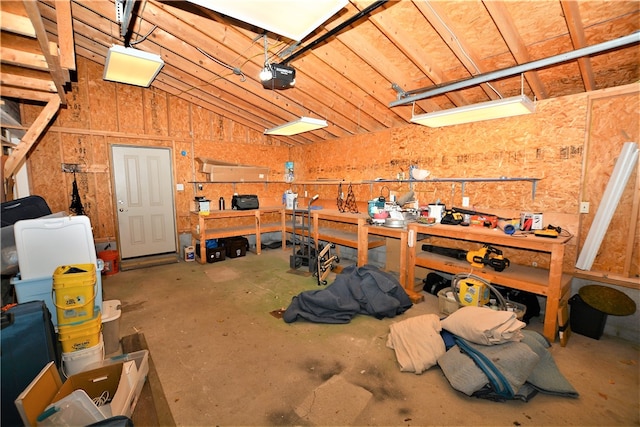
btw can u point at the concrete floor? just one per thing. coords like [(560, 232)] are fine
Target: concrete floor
[(223, 359)]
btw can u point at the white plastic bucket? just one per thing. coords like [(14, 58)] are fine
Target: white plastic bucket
[(111, 325), (76, 361)]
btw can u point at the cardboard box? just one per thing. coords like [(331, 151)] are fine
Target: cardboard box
[(531, 221), (222, 171), (122, 381), (238, 173)]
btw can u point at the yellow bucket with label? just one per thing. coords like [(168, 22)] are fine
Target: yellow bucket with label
[(74, 287), (81, 335)]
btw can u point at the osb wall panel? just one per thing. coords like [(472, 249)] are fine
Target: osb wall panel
[(76, 114), (202, 121), (116, 114), (182, 164), (272, 157), (156, 120), (129, 101), (45, 174), (103, 108), (546, 145), (102, 218), (179, 118), (614, 121)]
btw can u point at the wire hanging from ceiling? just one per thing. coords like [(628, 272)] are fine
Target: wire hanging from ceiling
[(235, 70)]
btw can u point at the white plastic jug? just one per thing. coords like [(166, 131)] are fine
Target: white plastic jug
[(291, 200)]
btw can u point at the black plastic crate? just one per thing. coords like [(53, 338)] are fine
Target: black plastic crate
[(586, 320), (235, 246)]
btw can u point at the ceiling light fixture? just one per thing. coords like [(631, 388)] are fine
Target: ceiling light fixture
[(497, 109), (131, 66), (293, 19), (303, 124)]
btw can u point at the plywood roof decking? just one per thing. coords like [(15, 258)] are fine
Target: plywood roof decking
[(347, 79)]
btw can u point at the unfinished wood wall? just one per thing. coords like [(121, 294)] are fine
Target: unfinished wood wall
[(607, 134), (549, 145), (102, 113)]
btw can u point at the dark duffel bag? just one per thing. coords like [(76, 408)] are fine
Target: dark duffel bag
[(244, 202)]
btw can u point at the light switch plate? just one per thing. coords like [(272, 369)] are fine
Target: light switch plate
[(179, 187)]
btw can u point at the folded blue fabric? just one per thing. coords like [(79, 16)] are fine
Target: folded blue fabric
[(513, 370)]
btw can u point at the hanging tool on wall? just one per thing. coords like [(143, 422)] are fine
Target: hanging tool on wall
[(487, 255), (76, 203), (339, 199)]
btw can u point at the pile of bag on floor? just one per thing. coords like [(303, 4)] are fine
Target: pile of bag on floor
[(482, 352)]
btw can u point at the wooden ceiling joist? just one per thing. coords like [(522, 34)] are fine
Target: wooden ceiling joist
[(49, 51), (350, 78), (576, 30), (19, 153), (65, 34), (17, 24)]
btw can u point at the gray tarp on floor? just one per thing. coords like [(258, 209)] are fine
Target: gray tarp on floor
[(357, 290)]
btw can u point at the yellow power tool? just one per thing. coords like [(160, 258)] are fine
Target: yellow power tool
[(488, 255)]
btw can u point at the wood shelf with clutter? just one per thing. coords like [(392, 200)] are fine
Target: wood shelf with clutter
[(203, 227), (551, 283)]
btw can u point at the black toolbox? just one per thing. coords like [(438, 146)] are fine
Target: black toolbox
[(235, 246)]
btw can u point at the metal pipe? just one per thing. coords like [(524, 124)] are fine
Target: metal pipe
[(518, 69), (325, 36)]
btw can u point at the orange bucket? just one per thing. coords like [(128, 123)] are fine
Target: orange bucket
[(110, 259)]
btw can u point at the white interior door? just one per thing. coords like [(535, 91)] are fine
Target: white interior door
[(144, 200)]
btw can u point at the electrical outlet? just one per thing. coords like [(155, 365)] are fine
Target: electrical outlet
[(465, 202), (584, 207)]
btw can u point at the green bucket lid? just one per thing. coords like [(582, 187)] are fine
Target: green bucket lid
[(607, 300)]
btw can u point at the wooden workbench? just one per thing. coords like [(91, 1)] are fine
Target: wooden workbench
[(551, 282), (203, 226)]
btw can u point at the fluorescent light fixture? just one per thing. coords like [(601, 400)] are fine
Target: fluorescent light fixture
[(303, 124), (497, 109), (131, 66), (294, 19)]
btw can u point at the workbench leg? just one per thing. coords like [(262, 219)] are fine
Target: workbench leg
[(555, 293), (363, 245), (258, 234), (409, 267)]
